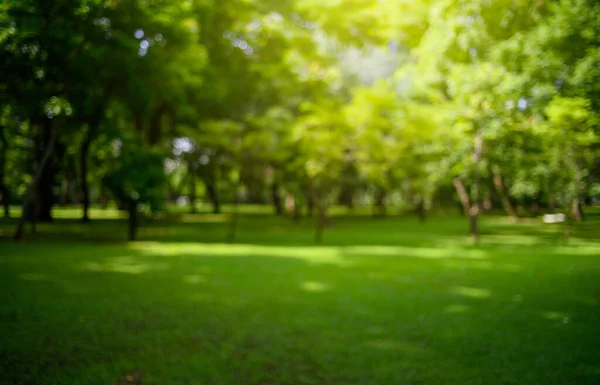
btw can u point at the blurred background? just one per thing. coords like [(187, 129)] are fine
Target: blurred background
[(300, 105), (299, 192)]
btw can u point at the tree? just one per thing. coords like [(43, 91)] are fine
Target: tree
[(5, 135), (323, 136), (571, 128), (135, 177)]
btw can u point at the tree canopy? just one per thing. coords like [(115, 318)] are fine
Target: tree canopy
[(411, 103)]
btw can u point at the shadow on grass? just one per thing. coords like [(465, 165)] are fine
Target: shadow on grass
[(208, 228), (381, 301), (256, 314)]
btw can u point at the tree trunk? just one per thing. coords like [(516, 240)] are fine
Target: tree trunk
[(321, 223), (66, 187), (421, 210), (31, 213), (31, 191), (506, 203), (462, 195), (535, 205), (213, 194), (577, 210), (488, 203), (576, 207), (379, 209), (5, 200), (233, 225), (192, 181), (254, 190), (346, 197), (310, 205), (277, 201), (133, 220), (4, 193), (290, 205), (64, 191), (474, 222), (296, 208), (85, 189), (93, 124), (551, 201), (45, 196), (476, 187)]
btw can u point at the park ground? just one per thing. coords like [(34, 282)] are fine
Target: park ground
[(381, 301)]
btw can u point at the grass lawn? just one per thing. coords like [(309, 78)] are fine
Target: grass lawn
[(382, 301)]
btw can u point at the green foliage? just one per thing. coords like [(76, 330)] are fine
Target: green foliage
[(315, 97), (571, 131), (321, 100), (135, 175)]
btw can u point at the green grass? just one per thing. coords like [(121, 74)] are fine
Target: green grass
[(382, 301)]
